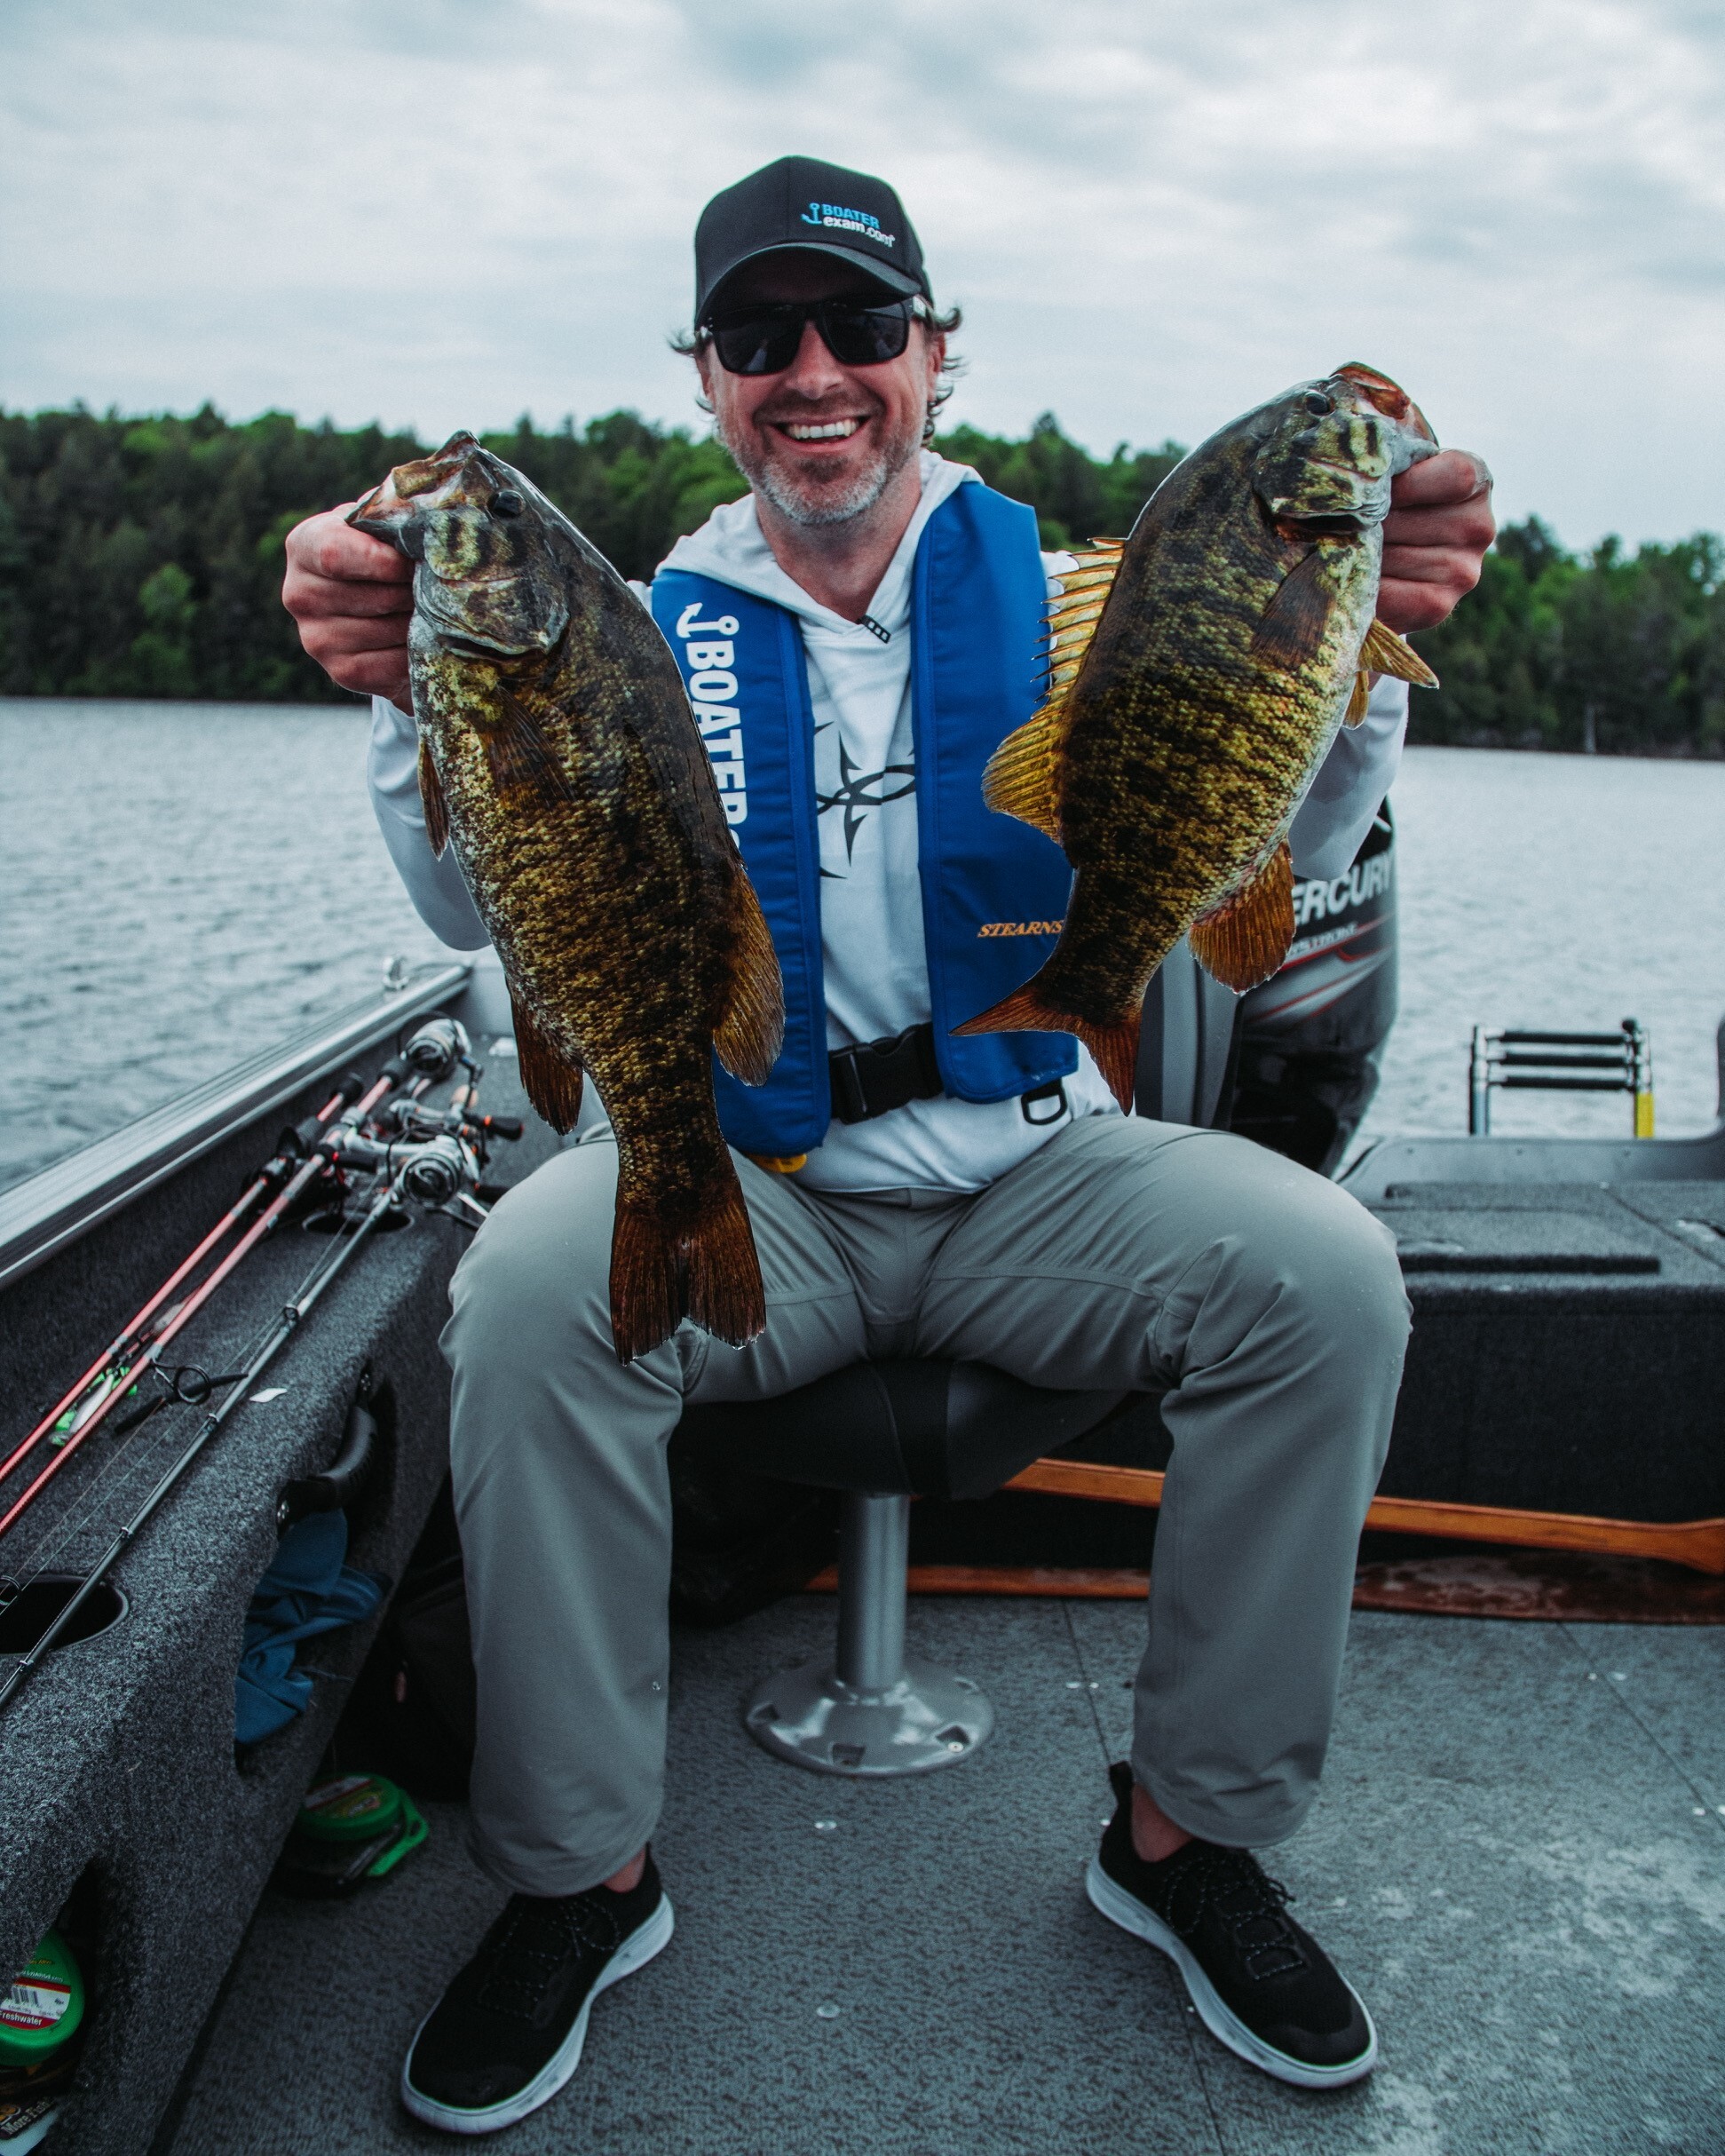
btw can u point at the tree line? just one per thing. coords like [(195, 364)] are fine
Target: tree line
[(143, 557)]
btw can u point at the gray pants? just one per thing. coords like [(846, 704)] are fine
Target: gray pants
[(1123, 1253)]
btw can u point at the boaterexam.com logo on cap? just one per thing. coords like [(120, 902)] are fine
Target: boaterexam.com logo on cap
[(833, 214)]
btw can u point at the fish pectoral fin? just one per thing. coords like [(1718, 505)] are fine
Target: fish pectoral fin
[(752, 1030), (1358, 697), (1022, 777), (431, 800), (518, 752), (1291, 633), (550, 1081), (1033, 1009), (1246, 938), (1386, 652)]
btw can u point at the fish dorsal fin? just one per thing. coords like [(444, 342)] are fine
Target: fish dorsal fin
[(1386, 652), (1072, 617), (431, 800), (752, 1030), (1022, 777), (1243, 940), (550, 1081)]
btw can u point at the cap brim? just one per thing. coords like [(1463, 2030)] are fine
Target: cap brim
[(877, 272)]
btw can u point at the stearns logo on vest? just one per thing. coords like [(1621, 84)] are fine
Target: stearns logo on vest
[(1021, 928), (713, 694)]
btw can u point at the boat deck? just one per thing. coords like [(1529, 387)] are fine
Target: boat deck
[(1519, 1858)]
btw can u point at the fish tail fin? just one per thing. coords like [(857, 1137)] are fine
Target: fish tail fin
[(1033, 1009), (706, 1270)]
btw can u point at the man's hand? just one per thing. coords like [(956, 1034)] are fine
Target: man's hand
[(351, 598), (1434, 537)]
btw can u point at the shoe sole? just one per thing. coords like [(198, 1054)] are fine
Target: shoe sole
[(635, 1952), (1224, 2024)]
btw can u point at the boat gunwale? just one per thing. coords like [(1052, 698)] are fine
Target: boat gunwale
[(53, 1209)]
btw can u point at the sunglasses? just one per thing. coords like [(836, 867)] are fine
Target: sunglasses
[(765, 339)]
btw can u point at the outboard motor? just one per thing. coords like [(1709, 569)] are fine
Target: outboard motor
[(1311, 1039), (1293, 1065)]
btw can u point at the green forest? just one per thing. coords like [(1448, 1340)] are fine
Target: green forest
[(143, 558)]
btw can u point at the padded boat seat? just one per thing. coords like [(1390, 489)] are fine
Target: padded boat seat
[(883, 1433), (907, 1428)]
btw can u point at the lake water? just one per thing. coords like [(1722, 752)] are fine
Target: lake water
[(186, 884)]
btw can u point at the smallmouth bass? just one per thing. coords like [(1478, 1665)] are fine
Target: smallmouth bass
[(1198, 673), (559, 753)]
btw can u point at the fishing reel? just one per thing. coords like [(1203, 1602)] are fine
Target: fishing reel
[(437, 1049), (437, 1170), (413, 1118), (433, 1172)]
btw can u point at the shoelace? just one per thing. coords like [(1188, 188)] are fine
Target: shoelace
[(532, 1952), (1250, 1903)]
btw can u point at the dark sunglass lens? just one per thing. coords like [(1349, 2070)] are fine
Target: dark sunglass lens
[(759, 344), (864, 336)]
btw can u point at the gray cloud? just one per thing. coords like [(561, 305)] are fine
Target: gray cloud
[(447, 211)]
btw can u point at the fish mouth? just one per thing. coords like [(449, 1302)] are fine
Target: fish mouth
[(1387, 397), (388, 506)]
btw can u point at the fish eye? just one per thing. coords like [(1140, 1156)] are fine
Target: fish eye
[(1317, 403), (507, 503)]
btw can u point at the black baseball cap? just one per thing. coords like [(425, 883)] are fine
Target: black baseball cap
[(802, 205)]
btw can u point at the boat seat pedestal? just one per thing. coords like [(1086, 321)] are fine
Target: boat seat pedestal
[(882, 1433)]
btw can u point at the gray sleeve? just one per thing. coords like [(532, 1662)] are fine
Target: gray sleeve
[(1350, 785), (436, 885)]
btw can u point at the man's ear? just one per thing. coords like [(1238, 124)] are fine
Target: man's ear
[(936, 341), (703, 360)]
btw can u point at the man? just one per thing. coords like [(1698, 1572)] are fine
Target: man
[(1068, 1244)]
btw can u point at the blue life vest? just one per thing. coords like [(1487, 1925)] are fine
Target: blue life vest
[(994, 891)]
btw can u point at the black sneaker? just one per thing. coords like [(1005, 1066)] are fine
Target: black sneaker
[(1261, 1984), (508, 2033)]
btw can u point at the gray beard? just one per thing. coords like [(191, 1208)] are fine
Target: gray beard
[(816, 506)]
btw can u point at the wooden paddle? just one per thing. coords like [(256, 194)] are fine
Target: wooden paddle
[(1699, 1543)]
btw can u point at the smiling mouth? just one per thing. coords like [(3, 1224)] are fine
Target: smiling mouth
[(826, 430)]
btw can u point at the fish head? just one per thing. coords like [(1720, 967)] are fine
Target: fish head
[(1330, 448), (488, 577)]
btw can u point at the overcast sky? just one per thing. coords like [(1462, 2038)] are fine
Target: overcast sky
[(444, 212)]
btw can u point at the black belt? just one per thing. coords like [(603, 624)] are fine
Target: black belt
[(886, 1075)]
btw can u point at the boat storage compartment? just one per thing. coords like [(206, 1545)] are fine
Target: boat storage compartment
[(1568, 1351), (117, 1760)]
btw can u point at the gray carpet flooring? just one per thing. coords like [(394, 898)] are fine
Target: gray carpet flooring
[(1519, 1858)]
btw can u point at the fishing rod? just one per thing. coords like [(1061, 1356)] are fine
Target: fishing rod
[(434, 1049), (432, 1172), (107, 1365)]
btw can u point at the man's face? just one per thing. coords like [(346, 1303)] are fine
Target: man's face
[(821, 441)]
